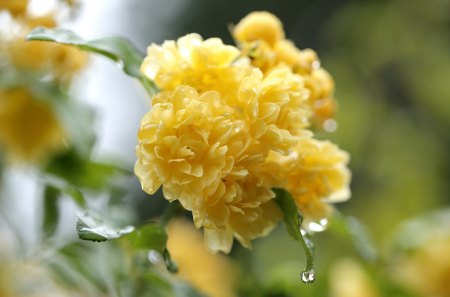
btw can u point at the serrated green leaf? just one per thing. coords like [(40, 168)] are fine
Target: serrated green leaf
[(92, 228), (118, 49), (150, 237), (50, 214)]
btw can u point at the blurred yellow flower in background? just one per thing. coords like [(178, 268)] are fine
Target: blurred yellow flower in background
[(29, 128), (59, 60), (349, 279), (214, 275), (426, 269), (15, 7)]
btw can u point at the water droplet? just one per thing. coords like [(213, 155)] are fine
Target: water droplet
[(120, 64), (318, 226), (154, 257), (330, 125), (308, 276), (316, 65)]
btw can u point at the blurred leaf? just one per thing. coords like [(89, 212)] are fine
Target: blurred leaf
[(76, 195), (78, 122), (50, 214), (182, 289), (421, 230), (353, 229), (118, 49), (293, 221), (83, 173), (149, 237), (92, 228)]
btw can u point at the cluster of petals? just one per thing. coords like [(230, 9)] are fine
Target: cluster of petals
[(260, 35), (219, 125)]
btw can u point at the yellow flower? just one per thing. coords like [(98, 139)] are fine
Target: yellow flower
[(315, 174), (15, 7), (61, 61), (29, 129), (252, 35), (223, 132), (259, 26), (274, 105), (426, 269), (250, 212), (204, 65), (213, 275), (348, 279), (189, 144)]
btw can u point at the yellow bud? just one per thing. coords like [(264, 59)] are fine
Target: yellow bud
[(259, 26)]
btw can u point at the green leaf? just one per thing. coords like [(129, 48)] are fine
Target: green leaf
[(92, 228), (50, 214), (76, 195), (118, 49), (150, 237), (80, 172), (353, 229), (420, 231), (292, 217), (171, 266), (293, 221)]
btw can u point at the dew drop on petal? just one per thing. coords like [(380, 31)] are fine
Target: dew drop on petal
[(308, 276), (316, 65)]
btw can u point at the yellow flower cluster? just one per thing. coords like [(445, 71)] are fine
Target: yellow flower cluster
[(217, 276), (29, 128), (222, 132), (261, 37)]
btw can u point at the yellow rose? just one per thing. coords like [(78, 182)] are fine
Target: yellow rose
[(189, 144), (202, 64), (213, 275), (315, 173), (29, 129), (259, 26), (268, 51)]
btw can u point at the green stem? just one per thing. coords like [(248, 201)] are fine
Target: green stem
[(170, 211)]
